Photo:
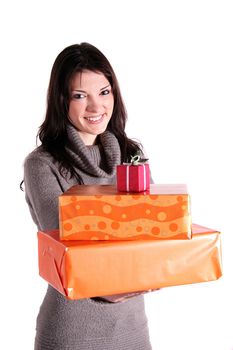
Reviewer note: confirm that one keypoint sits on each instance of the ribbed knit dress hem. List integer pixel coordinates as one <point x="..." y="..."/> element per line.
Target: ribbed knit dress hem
<point x="130" y="341"/>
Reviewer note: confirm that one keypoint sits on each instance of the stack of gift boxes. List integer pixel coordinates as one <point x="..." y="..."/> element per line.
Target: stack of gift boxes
<point x="131" y="237"/>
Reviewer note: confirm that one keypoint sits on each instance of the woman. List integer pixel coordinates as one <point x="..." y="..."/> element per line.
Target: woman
<point x="82" y="141"/>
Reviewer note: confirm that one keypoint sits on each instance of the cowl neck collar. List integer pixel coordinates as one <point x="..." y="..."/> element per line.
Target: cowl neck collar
<point x="99" y="160"/>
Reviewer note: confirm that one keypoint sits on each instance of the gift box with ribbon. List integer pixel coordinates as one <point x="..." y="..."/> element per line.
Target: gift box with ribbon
<point x="93" y="268"/>
<point x="101" y="212"/>
<point x="133" y="176"/>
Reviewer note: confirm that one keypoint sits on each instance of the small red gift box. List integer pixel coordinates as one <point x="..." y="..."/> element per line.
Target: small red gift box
<point x="133" y="178"/>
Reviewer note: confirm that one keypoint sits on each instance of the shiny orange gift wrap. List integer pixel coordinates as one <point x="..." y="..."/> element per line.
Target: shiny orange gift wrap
<point x="83" y="269"/>
<point x="103" y="213"/>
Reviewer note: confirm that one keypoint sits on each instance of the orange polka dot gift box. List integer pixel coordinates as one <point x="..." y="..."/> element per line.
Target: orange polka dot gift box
<point x="84" y="269"/>
<point x="101" y="212"/>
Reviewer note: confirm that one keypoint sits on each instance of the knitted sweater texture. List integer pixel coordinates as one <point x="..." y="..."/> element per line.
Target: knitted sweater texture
<point x="84" y="324"/>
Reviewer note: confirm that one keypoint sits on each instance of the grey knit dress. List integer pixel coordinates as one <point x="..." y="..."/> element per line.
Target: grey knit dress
<point x="85" y="324"/>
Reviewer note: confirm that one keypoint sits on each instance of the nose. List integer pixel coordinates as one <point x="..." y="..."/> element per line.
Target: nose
<point x="94" y="105"/>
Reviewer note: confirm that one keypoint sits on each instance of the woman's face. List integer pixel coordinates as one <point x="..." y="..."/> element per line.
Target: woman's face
<point x="91" y="104"/>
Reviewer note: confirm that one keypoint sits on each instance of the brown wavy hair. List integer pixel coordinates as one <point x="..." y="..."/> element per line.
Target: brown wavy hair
<point x="52" y="133"/>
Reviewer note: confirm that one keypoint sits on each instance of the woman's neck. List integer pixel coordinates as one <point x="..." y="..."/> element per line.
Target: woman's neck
<point x="88" y="139"/>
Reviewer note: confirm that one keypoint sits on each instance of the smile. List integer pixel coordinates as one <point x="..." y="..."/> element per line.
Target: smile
<point x="96" y="119"/>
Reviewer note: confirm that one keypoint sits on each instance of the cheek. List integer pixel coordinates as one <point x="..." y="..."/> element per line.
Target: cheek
<point x="111" y="104"/>
<point x="74" y="109"/>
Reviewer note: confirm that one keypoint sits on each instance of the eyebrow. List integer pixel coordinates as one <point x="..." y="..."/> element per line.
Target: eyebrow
<point x="105" y="87"/>
<point x="85" y="91"/>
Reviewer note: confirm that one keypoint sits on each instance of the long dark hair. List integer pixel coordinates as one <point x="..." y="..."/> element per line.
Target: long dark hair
<point x="52" y="133"/>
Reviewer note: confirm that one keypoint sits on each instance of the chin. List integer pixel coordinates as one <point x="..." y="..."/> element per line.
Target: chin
<point x="100" y="131"/>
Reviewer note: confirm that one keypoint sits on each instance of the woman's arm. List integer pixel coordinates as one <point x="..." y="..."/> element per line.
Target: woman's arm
<point x="42" y="189"/>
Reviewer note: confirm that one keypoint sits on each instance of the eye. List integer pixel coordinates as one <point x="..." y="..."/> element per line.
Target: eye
<point x="78" y="96"/>
<point x="105" y="92"/>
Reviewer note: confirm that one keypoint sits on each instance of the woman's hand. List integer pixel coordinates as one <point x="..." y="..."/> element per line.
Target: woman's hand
<point x="117" y="298"/>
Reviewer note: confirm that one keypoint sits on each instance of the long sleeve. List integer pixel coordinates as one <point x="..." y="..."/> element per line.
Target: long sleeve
<point x="42" y="190"/>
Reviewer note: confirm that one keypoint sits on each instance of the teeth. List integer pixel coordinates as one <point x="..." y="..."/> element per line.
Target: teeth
<point x="94" y="118"/>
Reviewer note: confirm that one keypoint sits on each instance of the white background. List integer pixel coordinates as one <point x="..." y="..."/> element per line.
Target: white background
<point x="174" y="62"/>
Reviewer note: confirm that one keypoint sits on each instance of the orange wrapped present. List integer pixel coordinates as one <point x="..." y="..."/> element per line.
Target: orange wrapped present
<point x="100" y="212"/>
<point x="80" y="269"/>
